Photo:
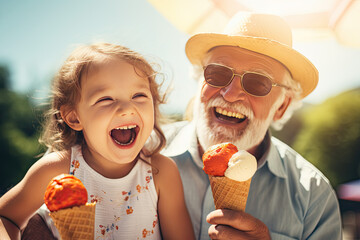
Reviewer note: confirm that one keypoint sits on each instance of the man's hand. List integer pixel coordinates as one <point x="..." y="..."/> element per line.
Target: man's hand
<point x="230" y="224"/>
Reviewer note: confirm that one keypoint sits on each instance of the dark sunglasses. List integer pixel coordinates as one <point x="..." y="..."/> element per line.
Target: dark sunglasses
<point x="255" y="84"/>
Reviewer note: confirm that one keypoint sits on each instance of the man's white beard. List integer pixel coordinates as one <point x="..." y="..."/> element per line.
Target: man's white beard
<point x="210" y="133"/>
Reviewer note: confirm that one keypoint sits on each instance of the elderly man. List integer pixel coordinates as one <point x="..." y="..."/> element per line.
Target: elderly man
<point x="251" y="78"/>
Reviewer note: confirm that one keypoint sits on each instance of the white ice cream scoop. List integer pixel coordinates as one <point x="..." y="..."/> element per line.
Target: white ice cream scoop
<point x="241" y="167"/>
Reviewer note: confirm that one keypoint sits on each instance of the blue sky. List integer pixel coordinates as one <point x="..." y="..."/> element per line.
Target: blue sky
<point x="37" y="36"/>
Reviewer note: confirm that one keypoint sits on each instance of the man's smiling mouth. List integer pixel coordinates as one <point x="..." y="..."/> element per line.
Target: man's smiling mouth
<point x="224" y="115"/>
<point x="125" y="135"/>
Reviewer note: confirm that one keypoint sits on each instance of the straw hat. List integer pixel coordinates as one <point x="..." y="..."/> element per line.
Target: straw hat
<point x="262" y="33"/>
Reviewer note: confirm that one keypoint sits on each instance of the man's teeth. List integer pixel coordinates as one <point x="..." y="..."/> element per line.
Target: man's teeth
<point x="126" y="127"/>
<point x="228" y="113"/>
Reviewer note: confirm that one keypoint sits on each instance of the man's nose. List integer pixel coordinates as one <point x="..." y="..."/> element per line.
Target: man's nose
<point x="234" y="91"/>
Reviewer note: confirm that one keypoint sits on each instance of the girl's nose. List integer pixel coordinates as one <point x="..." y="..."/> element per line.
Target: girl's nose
<point x="125" y="109"/>
<point x="234" y="91"/>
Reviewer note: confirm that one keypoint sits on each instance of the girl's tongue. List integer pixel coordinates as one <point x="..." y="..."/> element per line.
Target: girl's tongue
<point x="123" y="136"/>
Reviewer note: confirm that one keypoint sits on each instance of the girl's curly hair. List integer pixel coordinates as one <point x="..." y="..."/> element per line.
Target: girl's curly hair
<point x="66" y="88"/>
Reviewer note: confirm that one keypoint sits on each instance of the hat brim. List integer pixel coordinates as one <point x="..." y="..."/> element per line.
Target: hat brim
<point x="301" y="69"/>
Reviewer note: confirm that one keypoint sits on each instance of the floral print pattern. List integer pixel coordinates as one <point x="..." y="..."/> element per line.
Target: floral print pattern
<point x="123" y="208"/>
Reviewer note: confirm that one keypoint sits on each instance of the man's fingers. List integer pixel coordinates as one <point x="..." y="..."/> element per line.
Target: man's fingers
<point x="230" y="224"/>
<point x="219" y="232"/>
<point x="236" y="219"/>
<point x="214" y="232"/>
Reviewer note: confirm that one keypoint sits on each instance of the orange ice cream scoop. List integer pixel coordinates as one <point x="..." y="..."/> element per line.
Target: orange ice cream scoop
<point x="65" y="191"/>
<point x="216" y="158"/>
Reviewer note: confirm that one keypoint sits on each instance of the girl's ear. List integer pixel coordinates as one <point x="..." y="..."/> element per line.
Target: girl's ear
<point x="282" y="109"/>
<point x="71" y="118"/>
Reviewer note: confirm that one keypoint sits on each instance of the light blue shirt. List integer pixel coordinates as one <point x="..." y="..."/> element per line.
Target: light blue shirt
<point x="287" y="193"/>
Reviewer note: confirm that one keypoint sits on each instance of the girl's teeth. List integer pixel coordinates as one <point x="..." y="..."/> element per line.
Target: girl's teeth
<point x="126" y="127"/>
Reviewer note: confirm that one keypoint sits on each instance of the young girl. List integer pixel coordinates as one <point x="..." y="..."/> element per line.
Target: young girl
<point x="104" y="108"/>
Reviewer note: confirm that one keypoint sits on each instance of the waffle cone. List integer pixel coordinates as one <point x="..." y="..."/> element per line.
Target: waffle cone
<point x="229" y="193"/>
<point x="75" y="222"/>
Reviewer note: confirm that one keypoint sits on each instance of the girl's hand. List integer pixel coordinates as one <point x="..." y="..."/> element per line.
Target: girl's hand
<point x="231" y="224"/>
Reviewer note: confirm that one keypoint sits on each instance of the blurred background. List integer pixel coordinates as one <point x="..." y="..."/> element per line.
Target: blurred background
<point x="36" y="37"/>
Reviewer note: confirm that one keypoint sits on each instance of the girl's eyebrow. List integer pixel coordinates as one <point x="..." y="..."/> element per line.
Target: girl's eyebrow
<point x="96" y="91"/>
<point x="143" y="85"/>
<point x="99" y="90"/>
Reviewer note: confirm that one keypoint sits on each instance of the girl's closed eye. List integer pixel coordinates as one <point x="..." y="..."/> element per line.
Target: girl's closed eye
<point x="140" y="95"/>
<point x="103" y="100"/>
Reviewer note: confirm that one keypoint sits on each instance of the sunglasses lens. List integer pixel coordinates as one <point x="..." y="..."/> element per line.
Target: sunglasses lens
<point x="218" y="76"/>
<point x="256" y="84"/>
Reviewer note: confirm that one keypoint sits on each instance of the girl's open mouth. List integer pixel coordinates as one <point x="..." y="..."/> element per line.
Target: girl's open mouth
<point x="125" y="135"/>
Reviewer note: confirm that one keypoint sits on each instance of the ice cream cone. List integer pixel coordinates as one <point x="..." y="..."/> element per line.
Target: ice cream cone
<point x="229" y="193"/>
<point x="75" y="222"/>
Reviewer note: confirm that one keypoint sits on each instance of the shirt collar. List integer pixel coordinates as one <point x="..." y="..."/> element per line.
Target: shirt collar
<point x="272" y="156"/>
<point x="185" y="141"/>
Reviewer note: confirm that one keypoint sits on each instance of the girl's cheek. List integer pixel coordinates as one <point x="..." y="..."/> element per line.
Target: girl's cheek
<point x="207" y="92"/>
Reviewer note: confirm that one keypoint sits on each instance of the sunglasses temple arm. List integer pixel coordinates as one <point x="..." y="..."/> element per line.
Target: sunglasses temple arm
<point x="280" y="85"/>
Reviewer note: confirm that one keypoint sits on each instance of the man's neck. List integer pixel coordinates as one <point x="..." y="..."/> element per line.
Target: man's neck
<point x="258" y="150"/>
<point x="200" y="149"/>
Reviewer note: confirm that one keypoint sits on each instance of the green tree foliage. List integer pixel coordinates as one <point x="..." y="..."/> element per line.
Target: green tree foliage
<point x="330" y="137"/>
<point x="19" y="133"/>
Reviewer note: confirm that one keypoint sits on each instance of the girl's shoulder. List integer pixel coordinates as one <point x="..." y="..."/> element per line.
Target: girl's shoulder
<point x="48" y="166"/>
<point x="56" y="161"/>
<point x="161" y="162"/>
<point x="165" y="171"/>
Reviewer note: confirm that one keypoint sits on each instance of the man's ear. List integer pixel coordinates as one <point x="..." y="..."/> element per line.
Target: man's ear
<point x="282" y="109"/>
<point x="71" y="118"/>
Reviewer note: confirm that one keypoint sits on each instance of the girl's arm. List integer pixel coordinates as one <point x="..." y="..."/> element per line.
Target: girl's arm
<point x="8" y="230"/>
<point x="21" y="202"/>
<point x="174" y="218"/>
